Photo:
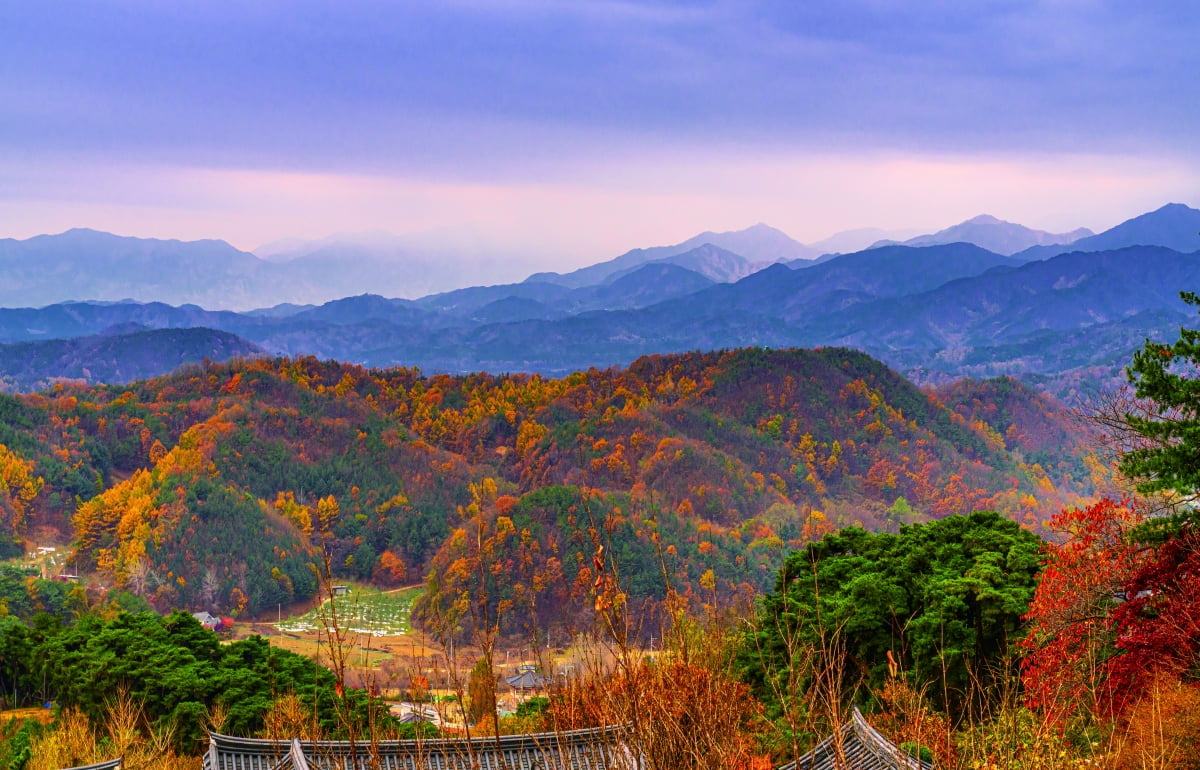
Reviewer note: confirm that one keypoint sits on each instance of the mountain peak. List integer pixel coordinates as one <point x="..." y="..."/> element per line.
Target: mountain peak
<point x="1174" y="226"/>
<point x="757" y="243"/>
<point x="995" y="235"/>
<point x="739" y="252"/>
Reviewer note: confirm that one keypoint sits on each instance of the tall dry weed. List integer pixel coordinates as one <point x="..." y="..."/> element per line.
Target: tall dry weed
<point x="1162" y="731"/>
<point x="125" y="733"/>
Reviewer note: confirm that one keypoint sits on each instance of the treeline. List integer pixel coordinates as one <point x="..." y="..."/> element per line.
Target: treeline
<point x="181" y="676"/>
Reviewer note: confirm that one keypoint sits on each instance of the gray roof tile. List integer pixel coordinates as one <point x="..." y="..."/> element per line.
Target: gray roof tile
<point x="860" y="747"/>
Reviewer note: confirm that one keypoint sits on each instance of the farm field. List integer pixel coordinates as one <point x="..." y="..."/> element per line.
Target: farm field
<point x="362" y="610"/>
<point x="47" y="561"/>
<point x="381" y="648"/>
<point x="384" y="653"/>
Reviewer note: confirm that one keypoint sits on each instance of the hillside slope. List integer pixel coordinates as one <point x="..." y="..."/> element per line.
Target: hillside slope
<point x="698" y="462"/>
<point x="1174" y="226"/>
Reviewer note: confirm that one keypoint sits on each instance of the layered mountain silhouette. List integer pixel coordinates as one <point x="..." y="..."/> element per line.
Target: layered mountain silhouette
<point x="84" y="264"/>
<point x="406" y="266"/>
<point x="934" y="312"/>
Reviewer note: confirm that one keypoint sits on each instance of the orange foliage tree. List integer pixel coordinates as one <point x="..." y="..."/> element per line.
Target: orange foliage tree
<point x="681" y="715"/>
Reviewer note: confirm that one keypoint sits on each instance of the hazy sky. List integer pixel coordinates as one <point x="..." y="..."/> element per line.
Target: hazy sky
<point x="572" y="131"/>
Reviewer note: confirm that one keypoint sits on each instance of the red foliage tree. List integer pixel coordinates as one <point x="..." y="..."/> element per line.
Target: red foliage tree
<point x="1158" y="628"/>
<point x="1070" y="617"/>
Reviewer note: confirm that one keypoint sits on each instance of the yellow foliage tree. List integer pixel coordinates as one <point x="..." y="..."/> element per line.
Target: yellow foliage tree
<point x="18" y="487"/>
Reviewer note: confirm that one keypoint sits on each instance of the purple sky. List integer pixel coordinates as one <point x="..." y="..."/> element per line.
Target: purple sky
<point x="571" y="131"/>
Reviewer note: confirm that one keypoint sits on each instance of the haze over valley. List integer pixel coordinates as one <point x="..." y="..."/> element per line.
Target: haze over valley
<point x="935" y="307"/>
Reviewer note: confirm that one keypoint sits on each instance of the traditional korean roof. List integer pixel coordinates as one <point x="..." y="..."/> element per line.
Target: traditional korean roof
<point x="526" y="680"/>
<point x="862" y="747"/>
<point x="592" y="749"/>
<point x="412" y="717"/>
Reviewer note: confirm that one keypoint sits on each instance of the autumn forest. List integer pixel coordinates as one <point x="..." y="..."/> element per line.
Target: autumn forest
<point x="722" y="461"/>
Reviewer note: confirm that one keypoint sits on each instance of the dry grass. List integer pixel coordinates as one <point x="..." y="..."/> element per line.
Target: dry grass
<point x="126" y="733"/>
<point x="45" y="716"/>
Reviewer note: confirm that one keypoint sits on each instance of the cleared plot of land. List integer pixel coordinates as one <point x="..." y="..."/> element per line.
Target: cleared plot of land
<point x="364" y="610"/>
<point x="380" y="648"/>
<point x="46" y="561"/>
<point x="382" y="652"/>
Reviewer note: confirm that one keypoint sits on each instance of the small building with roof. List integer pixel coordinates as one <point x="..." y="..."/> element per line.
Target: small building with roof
<point x="207" y="620"/>
<point x="527" y="679"/>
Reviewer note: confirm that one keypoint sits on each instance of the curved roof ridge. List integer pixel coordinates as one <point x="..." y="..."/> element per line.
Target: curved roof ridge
<point x="857" y="746"/>
<point x="110" y="764"/>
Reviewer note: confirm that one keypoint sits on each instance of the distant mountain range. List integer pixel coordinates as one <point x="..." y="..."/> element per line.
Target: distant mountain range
<point x="88" y="265"/>
<point x="933" y="311"/>
<point x="416" y="265"/>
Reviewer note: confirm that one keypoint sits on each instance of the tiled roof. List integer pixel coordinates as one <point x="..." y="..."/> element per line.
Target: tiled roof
<point x="112" y="764"/>
<point x="526" y="680"/>
<point x="857" y="746"/>
<point x="862" y="747"/>
<point x="593" y="749"/>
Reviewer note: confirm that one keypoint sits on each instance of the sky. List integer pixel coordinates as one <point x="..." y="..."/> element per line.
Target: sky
<point x="557" y="133"/>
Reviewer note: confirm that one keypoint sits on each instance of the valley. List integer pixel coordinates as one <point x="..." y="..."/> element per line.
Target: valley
<point x="610" y="478"/>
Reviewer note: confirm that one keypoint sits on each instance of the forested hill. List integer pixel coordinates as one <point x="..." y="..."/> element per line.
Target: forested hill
<point x="212" y="487"/>
<point x="121" y="355"/>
